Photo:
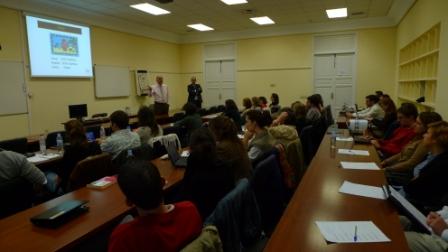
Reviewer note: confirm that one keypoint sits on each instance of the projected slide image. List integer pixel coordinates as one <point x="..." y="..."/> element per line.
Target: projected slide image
<point x="64" y="45"/>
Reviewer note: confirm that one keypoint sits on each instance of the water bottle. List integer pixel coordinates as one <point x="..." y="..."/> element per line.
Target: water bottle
<point x="102" y="133"/>
<point x="59" y="142"/>
<point x="42" y="144"/>
<point x="333" y="140"/>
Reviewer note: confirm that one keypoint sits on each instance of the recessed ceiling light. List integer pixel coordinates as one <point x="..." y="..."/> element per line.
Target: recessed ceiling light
<point x="262" y="20"/>
<point x="151" y="9"/>
<point x="232" y="2"/>
<point x="200" y="27"/>
<point x="337" y="13"/>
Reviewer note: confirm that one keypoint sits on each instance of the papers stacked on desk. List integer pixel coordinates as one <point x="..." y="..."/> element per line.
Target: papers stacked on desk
<point x="42" y="157"/>
<point x="351" y="231"/>
<point x="362" y="190"/>
<point x="353" y="152"/>
<point x="359" y="165"/>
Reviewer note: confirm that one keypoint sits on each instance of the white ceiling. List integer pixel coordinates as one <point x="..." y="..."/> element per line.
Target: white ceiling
<point x="230" y="22"/>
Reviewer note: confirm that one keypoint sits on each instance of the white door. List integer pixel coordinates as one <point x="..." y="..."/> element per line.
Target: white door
<point x="219" y="82"/>
<point x="333" y="79"/>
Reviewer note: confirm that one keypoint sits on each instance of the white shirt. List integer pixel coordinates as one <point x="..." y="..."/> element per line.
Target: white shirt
<point x="160" y="93"/>
<point x="444" y="214"/>
<point x="374" y="112"/>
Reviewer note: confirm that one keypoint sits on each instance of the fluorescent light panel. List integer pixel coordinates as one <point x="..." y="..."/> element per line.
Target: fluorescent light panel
<point x="337" y="13"/>
<point x="262" y="20"/>
<point x="200" y="27"/>
<point x="233" y="2"/>
<point x="151" y="9"/>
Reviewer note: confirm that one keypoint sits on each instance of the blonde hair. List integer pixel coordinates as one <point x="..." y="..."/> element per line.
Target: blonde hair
<point x="440" y="133"/>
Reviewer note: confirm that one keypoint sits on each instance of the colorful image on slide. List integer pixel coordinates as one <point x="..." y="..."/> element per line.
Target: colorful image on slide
<point x="64" y="45"/>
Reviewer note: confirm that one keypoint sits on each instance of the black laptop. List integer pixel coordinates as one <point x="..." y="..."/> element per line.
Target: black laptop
<point x="175" y="157"/>
<point x="60" y="214"/>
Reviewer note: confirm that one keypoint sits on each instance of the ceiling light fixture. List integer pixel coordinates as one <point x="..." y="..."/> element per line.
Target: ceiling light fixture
<point x="149" y="8"/>
<point x="233" y="2"/>
<point x="200" y="27"/>
<point x="262" y="20"/>
<point x="337" y="13"/>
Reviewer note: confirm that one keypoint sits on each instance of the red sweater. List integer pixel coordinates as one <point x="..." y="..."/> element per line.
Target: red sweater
<point x="398" y="140"/>
<point x="159" y="232"/>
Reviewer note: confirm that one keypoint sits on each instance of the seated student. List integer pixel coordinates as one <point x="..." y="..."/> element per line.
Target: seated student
<point x="299" y="110"/>
<point x="420" y="242"/>
<point x="398" y="168"/>
<point x="257" y="139"/>
<point x="373" y="110"/>
<point x="429" y="187"/>
<point x="407" y="114"/>
<point x="121" y="138"/>
<point x="313" y="105"/>
<point x="229" y="147"/>
<point x="247" y="104"/>
<point x="263" y="103"/>
<point x="275" y="103"/>
<point x="390" y="116"/>
<point x="192" y="119"/>
<point x="77" y="150"/>
<point x="256" y="103"/>
<point x="15" y="165"/>
<point x="207" y="178"/>
<point x="148" y="127"/>
<point x="158" y="227"/>
<point x="233" y="113"/>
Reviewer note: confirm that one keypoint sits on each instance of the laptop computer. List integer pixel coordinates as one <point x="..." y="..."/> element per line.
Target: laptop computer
<point x="175" y="157"/>
<point x="417" y="218"/>
<point x="90" y="136"/>
<point x="60" y="214"/>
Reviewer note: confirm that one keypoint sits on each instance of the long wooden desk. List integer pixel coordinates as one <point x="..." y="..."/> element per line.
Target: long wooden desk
<point x="317" y="199"/>
<point x="106" y="207"/>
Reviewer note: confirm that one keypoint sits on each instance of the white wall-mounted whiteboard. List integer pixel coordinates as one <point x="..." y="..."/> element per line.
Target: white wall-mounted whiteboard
<point x="112" y="81"/>
<point x="12" y="88"/>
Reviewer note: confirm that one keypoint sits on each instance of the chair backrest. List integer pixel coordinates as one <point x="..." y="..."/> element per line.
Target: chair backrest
<point x="178" y="116"/>
<point x="143" y="152"/>
<point x="17" y="195"/>
<point x="212" y="110"/>
<point x="221" y="108"/>
<point x="18" y="145"/>
<point x="310" y="138"/>
<point x="269" y="191"/>
<point x="328" y="115"/>
<point x="237" y="218"/>
<point x="90" y="169"/>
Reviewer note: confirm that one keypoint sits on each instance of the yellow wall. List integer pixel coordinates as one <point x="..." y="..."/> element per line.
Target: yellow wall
<point x="50" y="96"/>
<point x="423" y="15"/>
<point x="283" y="65"/>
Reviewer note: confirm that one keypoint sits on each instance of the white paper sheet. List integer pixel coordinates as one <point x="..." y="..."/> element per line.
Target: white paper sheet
<point x="344" y="139"/>
<point x="362" y="190"/>
<point x="354" y="152"/>
<point x="344" y="231"/>
<point x="40" y="157"/>
<point x="359" y="165"/>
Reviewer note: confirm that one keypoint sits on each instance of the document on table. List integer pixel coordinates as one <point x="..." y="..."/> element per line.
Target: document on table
<point x="362" y="190"/>
<point x="353" y="152"/>
<point x="351" y="231"/>
<point x="41" y="157"/>
<point x="359" y="165"/>
<point x="344" y="139"/>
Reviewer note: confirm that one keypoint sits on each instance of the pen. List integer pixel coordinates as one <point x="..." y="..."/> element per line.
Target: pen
<point x="355" y="238"/>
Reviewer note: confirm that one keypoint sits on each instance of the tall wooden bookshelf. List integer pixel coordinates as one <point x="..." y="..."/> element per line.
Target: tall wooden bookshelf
<point x="418" y="64"/>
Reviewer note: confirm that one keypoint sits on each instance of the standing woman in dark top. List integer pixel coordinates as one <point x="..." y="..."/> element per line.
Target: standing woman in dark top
<point x="77" y="150"/>
<point x="275" y="103"/>
<point x="207" y="180"/>
<point x="233" y="113"/>
<point x="195" y="93"/>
